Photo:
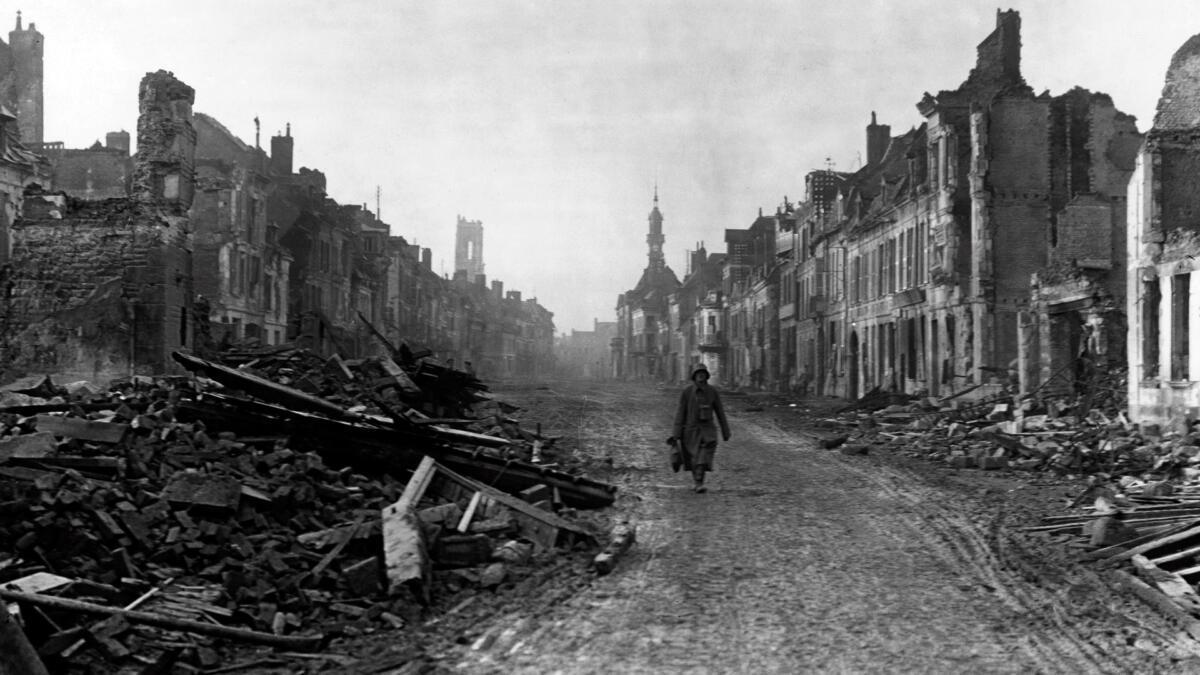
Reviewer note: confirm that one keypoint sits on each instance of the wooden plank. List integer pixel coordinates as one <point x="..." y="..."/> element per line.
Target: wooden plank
<point x="84" y="430"/>
<point x="1157" y="542"/>
<point x="404" y="548"/>
<point x="534" y="522"/>
<point x="300" y="642"/>
<point x="1162" y="603"/>
<point x="469" y="514"/>
<point x="1176" y="556"/>
<point x="17" y="655"/>
<point x="1168" y="582"/>
<point x="1155" y="533"/>
<point x="337" y="550"/>
<point x="259" y="386"/>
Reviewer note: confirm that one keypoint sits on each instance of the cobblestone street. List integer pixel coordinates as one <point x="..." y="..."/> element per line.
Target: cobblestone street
<point x="805" y="560"/>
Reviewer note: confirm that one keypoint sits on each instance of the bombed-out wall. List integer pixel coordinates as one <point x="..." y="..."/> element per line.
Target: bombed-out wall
<point x="102" y="289"/>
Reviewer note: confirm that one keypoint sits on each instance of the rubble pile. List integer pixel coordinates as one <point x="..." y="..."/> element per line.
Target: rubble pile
<point x="260" y="512"/>
<point x="1138" y="513"/>
<point x="989" y="427"/>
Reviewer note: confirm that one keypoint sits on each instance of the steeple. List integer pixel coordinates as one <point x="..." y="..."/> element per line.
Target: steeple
<point x="655" y="238"/>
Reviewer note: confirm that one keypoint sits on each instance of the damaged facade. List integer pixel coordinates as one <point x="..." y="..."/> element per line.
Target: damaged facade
<point x="102" y="289"/>
<point x="981" y="246"/>
<point x="1164" y="195"/>
<point x="241" y="271"/>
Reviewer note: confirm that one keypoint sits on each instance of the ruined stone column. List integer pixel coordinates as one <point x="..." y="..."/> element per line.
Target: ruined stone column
<point x="164" y="166"/>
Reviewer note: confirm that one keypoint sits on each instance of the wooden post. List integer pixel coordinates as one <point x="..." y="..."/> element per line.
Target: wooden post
<point x="17" y="656"/>
<point x="404" y="548"/>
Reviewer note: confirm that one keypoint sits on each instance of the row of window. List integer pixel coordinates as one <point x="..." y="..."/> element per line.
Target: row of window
<point x="894" y="265"/>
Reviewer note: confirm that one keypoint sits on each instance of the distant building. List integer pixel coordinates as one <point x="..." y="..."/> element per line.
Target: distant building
<point x="640" y="349"/>
<point x="585" y="354"/>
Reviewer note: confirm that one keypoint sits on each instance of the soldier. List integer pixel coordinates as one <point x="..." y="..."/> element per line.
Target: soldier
<point x="696" y="421"/>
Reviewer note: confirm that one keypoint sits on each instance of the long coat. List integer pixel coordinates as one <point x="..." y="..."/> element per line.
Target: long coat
<point x="696" y="421"/>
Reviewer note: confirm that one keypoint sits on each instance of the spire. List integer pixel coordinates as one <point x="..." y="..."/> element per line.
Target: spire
<point x="655" y="237"/>
<point x="18" y="19"/>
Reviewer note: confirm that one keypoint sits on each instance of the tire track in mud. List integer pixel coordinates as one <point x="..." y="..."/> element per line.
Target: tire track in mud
<point x="959" y="540"/>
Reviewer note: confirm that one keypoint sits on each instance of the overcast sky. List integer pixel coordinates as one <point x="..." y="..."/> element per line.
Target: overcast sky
<point x="552" y="121"/>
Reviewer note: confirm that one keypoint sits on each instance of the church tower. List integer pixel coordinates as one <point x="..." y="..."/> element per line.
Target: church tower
<point x="655" y="237"/>
<point x="27" y="50"/>
<point x="468" y="248"/>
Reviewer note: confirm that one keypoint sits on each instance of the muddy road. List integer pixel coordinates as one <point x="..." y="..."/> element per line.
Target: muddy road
<point x="800" y="559"/>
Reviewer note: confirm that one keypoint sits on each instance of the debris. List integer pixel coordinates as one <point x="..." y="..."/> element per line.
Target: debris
<point x="298" y="642"/>
<point x="404" y="545"/>
<point x="623" y="537"/>
<point x="16" y="654"/>
<point x="278" y="511"/>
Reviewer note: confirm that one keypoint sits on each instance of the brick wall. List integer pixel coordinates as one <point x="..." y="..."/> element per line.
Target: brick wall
<point x="1179" y="106"/>
<point x="106" y="285"/>
<point x="1085" y="234"/>
<point x="1180" y="180"/>
<point x="1019" y="164"/>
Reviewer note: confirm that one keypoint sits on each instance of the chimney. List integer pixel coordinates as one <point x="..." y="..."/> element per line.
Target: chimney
<point x="878" y="138"/>
<point x="281" y="153"/>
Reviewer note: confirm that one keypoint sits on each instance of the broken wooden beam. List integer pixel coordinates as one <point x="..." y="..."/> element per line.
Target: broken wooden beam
<point x="404" y="548"/>
<point x="378" y="444"/>
<point x="17" y="655"/>
<point x="297" y="642"/>
<point x="259" y="386"/>
<point x="1156" y="599"/>
<point x="541" y="527"/>
<point x="469" y="513"/>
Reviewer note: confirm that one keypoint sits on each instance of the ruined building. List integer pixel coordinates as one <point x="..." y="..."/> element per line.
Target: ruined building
<point x="750" y="286"/>
<point x="923" y="258"/>
<point x="97" y="290"/>
<point x="1163" y="243"/>
<point x="241" y="272"/>
<point x="639" y="350"/>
